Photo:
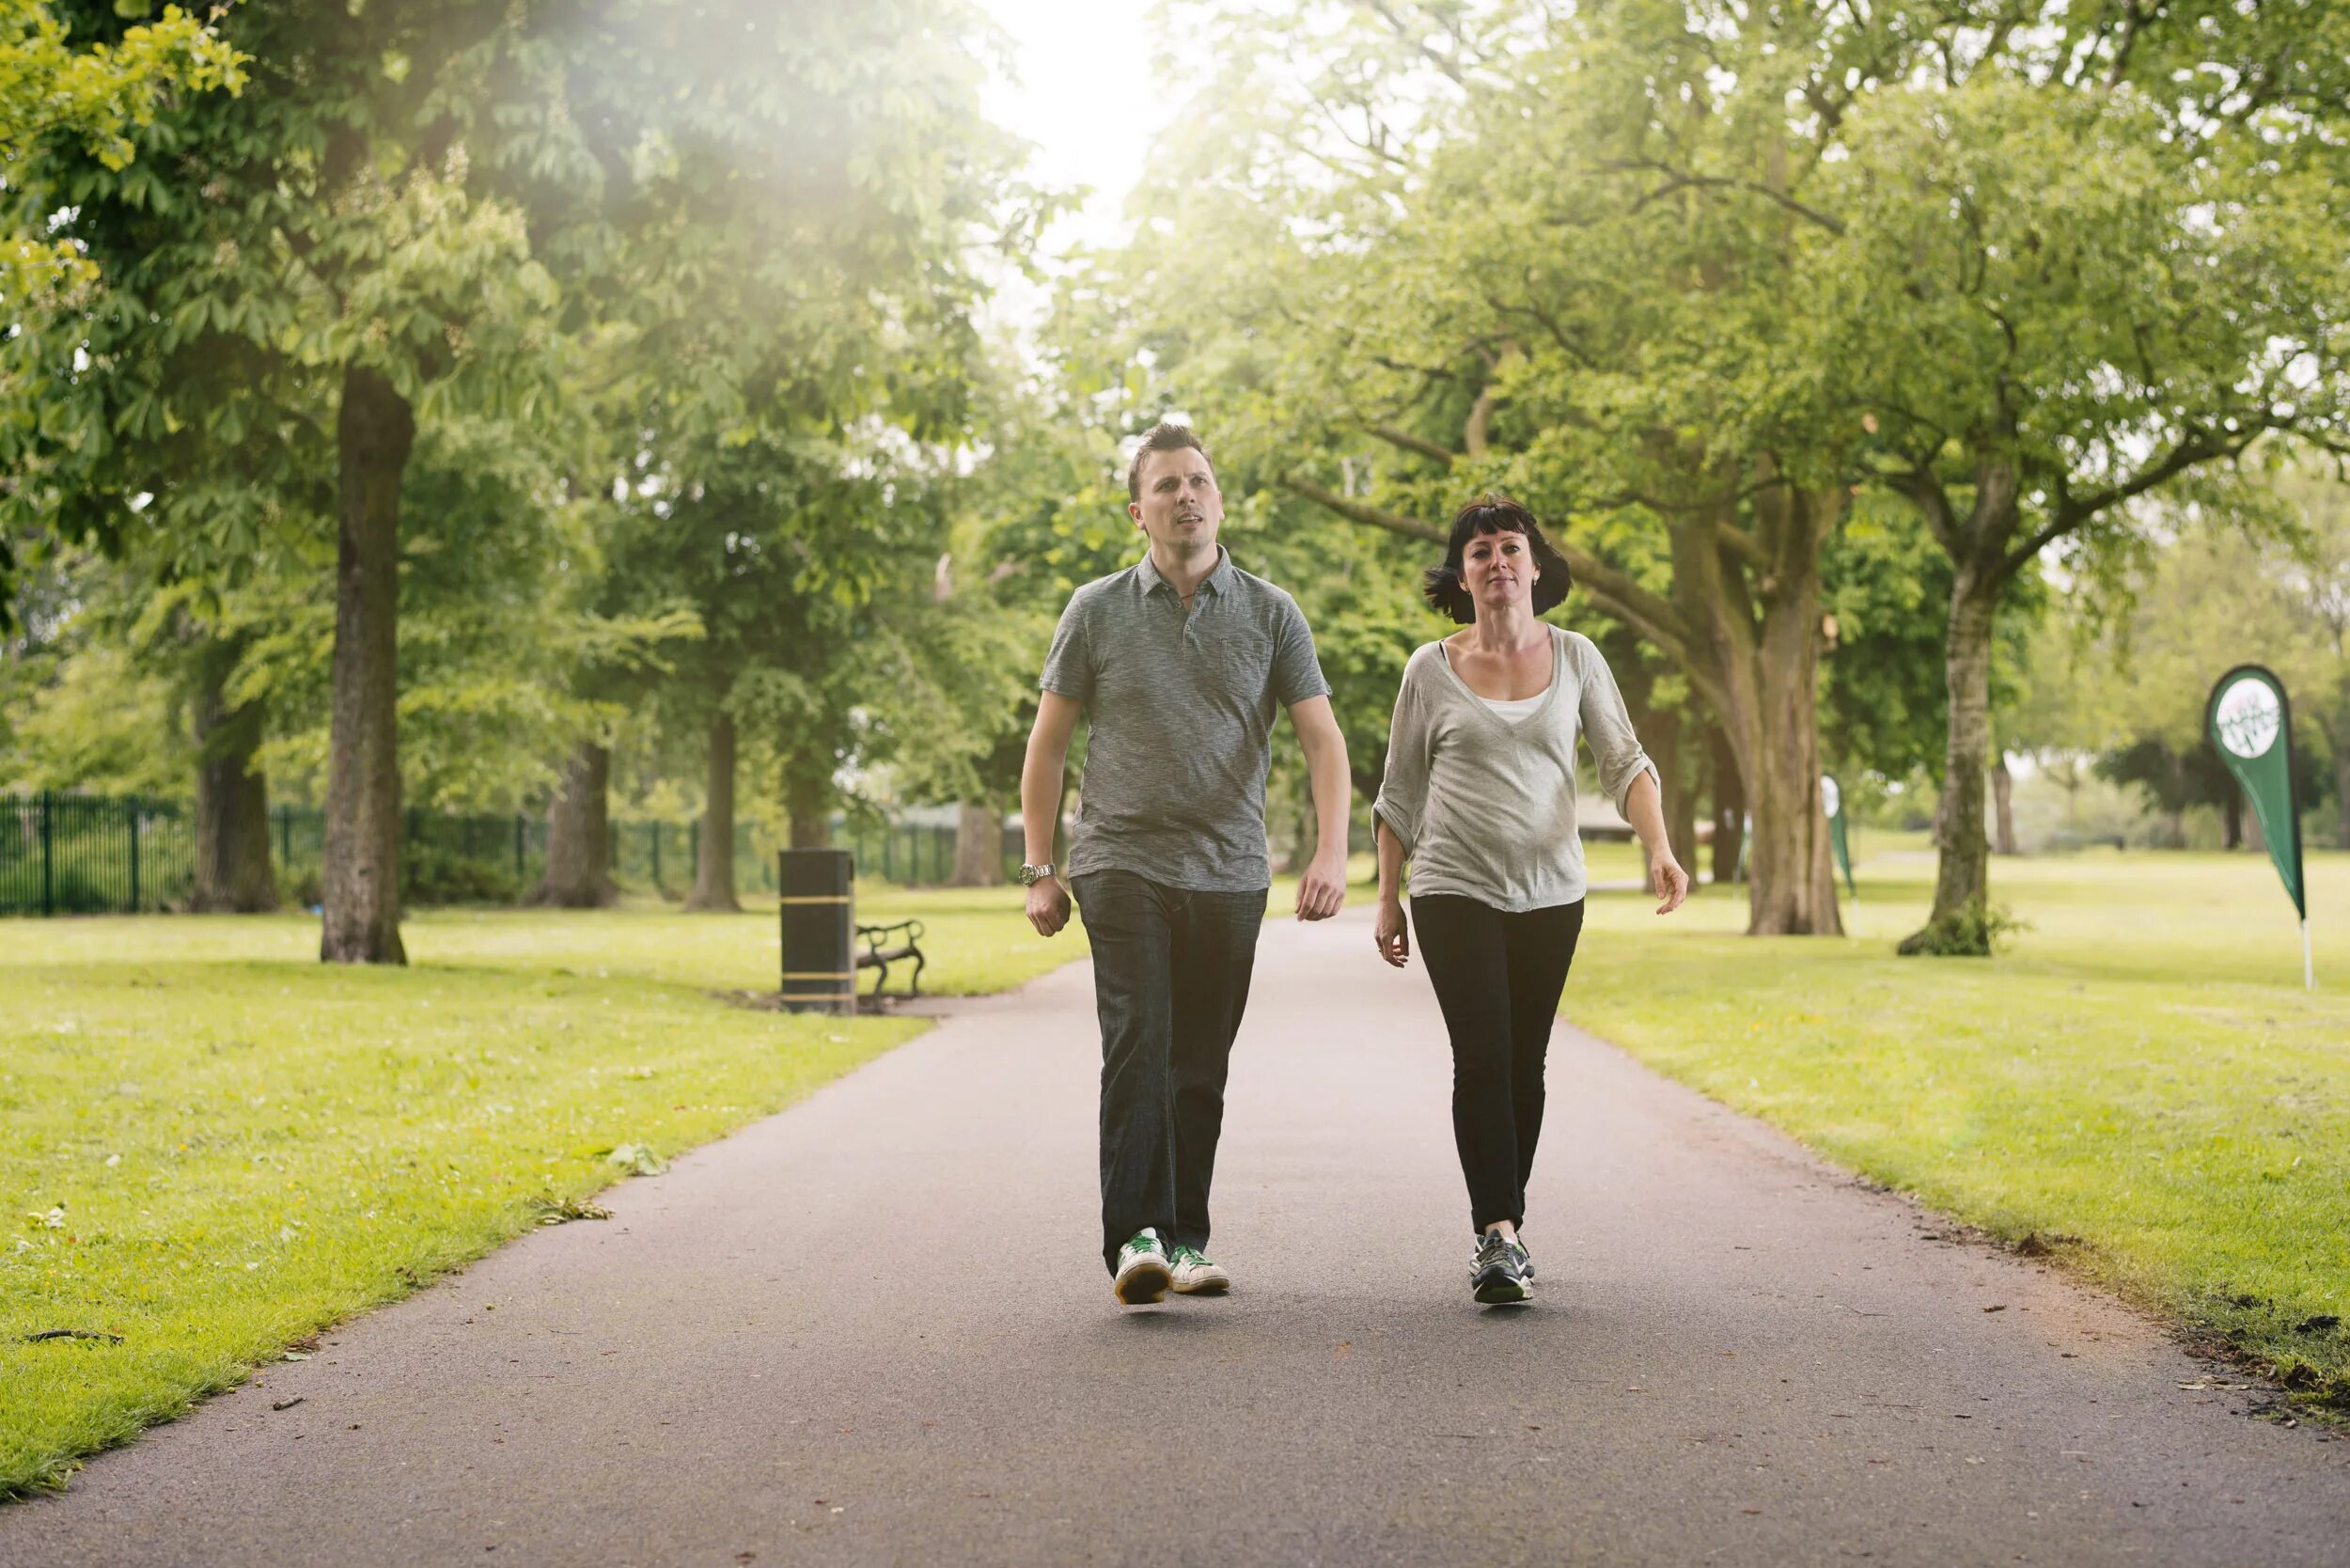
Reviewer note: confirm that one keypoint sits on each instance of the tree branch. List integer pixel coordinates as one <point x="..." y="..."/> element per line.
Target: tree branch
<point x="1671" y="644"/>
<point x="1656" y="614"/>
<point x="1411" y="442"/>
<point x="1364" y="512"/>
<point x="2071" y="512"/>
<point x="1742" y="544"/>
<point x="1923" y="490"/>
<point x="1452" y="70"/>
<point x="1679" y="180"/>
<point x="1480" y="420"/>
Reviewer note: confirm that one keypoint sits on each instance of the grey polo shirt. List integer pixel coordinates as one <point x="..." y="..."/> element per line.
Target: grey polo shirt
<point x="1182" y="709"/>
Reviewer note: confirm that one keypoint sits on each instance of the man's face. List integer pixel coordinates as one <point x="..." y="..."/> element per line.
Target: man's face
<point x="1181" y="507"/>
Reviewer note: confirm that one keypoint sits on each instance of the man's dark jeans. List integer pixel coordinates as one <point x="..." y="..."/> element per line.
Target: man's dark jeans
<point x="1170" y="979"/>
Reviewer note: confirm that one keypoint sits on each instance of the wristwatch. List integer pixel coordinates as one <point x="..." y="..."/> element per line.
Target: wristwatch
<point x="1031" y="875"/>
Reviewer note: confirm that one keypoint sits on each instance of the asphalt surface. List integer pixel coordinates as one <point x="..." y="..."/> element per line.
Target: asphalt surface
<point x="875" y="1330"/>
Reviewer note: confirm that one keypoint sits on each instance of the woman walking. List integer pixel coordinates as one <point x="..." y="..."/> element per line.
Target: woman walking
<point x="1479" y="797"/>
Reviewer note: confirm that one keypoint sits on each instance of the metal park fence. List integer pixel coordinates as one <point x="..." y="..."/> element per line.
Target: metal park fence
<point x="64" y="853"/>
<point x="77" y="855"/>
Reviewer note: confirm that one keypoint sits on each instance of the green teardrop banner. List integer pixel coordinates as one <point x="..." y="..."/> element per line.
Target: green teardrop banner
<point x="2251" y="728"/>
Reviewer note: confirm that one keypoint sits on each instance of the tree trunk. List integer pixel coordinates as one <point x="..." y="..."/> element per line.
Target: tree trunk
<point x="374" y="430"/>
<point x="1681" y="827"/>
<point x="2255" y="838"/>
<point x="579" y="838"/>
<point x="1660" y="738"/>
<point x="1769" y="700"/>
<point x="233" y="872"/>
<point x="1790" y="889"/>
<point x="713" y="863"/>
<point x="808" y="800"/>
<point x="2003" y="804"/>
<point x="1730" y="810"/>
<point x="1962" y="885"/>
<point x="979" y="846"/>
<point x="2231" y="819"/>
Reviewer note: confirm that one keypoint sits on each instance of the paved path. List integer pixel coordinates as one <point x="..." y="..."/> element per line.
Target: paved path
<point x="874" y="1330"/>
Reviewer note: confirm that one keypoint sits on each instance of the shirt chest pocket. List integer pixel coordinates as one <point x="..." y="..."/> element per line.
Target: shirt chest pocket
<point x="1233" y="666"/>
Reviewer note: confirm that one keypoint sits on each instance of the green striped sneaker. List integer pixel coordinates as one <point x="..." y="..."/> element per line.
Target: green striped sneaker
<point x="1143" y="1274"/>
<point x="1195" y="1276"/>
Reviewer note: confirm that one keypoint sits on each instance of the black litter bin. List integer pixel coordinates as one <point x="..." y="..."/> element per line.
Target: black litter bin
<point x="819" y="969"/>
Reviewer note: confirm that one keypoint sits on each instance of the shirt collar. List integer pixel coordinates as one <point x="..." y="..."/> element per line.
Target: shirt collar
<point x="1219" y="576"/>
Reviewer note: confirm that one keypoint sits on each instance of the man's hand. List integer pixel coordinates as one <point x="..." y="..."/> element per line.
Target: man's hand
<point x="1393" y="936"/>
<point x="1671" y="882"/>
<point x="1048" y="907"/>
<point x="1324" y="888"/>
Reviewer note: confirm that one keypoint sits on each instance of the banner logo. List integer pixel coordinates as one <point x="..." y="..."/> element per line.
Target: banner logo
<point x="2248" y="716"/>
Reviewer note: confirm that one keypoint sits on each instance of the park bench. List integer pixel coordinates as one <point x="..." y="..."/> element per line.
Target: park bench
<point x="885" y="946"/>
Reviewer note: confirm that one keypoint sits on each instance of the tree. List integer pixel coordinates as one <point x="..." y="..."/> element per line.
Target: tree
<point x="98" y="97"/>
<point x="2209" y="595"/>
<point x="2315" y="580"/>
<point x="1566" y="254"/>
<point x="318" y="241"/>
<point x="2132" y="291"/>
<point x="789" y="296"/>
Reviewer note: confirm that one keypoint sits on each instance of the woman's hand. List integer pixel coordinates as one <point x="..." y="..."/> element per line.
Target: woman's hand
<point x="1671" y="882"/>
<point x="1392" y="934"/>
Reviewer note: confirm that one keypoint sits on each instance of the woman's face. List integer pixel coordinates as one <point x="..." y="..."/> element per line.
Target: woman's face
<point x="1499" y="569"/>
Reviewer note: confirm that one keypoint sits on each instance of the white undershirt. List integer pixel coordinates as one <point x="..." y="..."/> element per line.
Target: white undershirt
<point x="1512" y="710"/>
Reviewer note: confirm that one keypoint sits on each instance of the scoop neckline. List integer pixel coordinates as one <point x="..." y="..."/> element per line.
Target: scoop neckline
<point x="1557" y="641"/>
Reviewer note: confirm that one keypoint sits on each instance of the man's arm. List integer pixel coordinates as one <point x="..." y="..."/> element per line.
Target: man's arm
<point x="1040" y="805"/>
<point x="1323" y="889"/>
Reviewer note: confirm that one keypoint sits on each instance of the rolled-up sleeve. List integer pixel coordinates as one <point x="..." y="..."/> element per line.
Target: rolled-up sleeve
<point x="1608" y="728"/>
<point x="1404" y="790"/>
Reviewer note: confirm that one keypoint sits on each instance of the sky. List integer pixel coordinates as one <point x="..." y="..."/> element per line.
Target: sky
<point x="1084" y="98"/>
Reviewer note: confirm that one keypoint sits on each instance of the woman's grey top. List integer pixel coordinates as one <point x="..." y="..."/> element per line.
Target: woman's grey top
<point x="1485" y="807"/>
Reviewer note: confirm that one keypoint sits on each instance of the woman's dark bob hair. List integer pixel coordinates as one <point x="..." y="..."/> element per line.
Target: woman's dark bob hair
<point x="1495" y="514"/>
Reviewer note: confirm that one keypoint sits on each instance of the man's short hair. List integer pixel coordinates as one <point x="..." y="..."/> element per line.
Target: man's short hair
<point x="1163" y="437"/>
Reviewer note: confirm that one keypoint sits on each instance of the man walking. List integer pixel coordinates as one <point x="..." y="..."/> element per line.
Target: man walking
<point x="1178" y="664"/>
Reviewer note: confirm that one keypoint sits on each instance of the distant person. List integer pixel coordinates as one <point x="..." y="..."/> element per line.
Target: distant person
<point x="1180" y="665"/>
<point x="1479" y="797"/>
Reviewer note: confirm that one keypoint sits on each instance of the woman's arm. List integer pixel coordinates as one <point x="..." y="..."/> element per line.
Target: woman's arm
<point x="1644" y="807"/>
<point x="1391" y="934"/>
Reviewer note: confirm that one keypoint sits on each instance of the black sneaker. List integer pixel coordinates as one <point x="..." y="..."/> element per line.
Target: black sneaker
<point x="1526" y="1262"/>
<point x="1496" y="1278"/>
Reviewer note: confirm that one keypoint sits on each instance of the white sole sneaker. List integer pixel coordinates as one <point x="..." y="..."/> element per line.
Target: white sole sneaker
<point x="1201" y="1279"/>
<point x="1143" y="1280"/>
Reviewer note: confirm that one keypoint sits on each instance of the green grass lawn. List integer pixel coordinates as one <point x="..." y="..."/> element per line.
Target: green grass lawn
<point x="217" y="1146"/>
<point x="2138" y="1079"/>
